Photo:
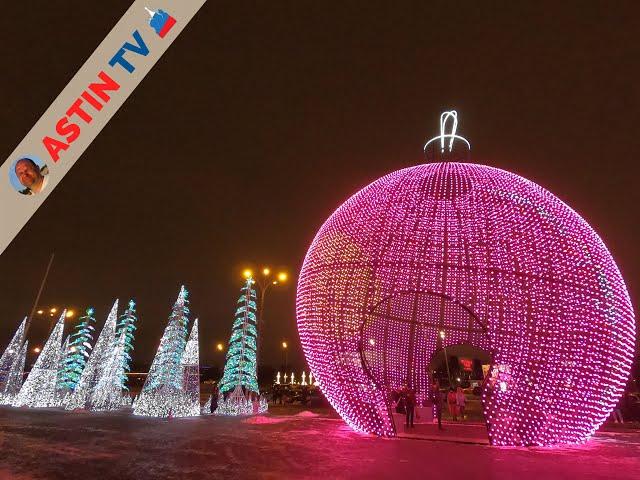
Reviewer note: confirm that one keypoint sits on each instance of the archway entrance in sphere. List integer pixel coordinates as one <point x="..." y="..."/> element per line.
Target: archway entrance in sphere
<point x="466" y="369"/>
<point x="400" y="340"/>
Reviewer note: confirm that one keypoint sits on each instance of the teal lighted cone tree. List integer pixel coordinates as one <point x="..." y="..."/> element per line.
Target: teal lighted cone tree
<point x="240" y="367"/>
<point x="162" y="392"/>
<point x="93" y="371"/>
<point x="80" y="345"/>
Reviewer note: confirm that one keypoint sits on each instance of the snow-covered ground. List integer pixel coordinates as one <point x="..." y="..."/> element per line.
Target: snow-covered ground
<point x="55" y="444"/>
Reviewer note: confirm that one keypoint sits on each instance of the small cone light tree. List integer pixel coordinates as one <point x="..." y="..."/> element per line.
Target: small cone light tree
<point x="61" y="390"/>
<point x="40" y="387"/>
<point x="102" y="351"/>
<point x="14" y="380"/>
<point x="79" y="351"/>
<point x="162" y="393"/>
<point x="239" y="376"/>
<point x="109" y="391"/>
<point x="10" y="356"/>
<point x="191" y="376"/>
<point x="125" y="329"/>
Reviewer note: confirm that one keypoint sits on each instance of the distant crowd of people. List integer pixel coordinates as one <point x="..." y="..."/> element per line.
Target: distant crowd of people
<point x="406" y="401"/>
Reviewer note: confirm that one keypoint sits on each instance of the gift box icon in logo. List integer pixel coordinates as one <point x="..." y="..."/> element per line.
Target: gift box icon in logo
<point x="161" y="21"/>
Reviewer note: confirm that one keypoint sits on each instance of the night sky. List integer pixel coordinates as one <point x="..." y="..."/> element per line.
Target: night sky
<point x="263" y="117"/>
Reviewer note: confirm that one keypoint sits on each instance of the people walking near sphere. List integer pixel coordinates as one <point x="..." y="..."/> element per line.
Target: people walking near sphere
<point x="437" y="400"/>
<point x="451" y="403"/>
<point x="460" y="402"/>
<point x="410" y="404"/>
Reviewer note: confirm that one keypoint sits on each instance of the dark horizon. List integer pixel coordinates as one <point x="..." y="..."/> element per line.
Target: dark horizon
<point x="260" y="120"/>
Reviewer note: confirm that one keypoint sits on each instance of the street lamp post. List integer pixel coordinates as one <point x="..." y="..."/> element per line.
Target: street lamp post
<point x="285" y="349"/>
<point x="264" y="282"/>
<point x="446" y="360"/>
<point x="37" y="300"/>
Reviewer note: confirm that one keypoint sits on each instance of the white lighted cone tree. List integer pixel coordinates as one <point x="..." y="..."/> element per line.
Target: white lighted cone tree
<point x="102" y="351"/>
<point x="10" y="356"/>
<point x="61" y="390"/>
<point x="39" y="389"/>
<point x="125" y="328"/>
<point x="14" y="379"/>
<point x="191" y="376"/>
<point x="108" y="393"/>
<point x="162" y="394"/>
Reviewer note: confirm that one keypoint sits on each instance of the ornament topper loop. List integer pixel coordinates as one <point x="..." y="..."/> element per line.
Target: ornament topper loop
<point x="444" y="135"/>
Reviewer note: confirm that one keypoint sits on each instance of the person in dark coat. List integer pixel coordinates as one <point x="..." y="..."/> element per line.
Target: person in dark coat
<point x="451" y="402"/>
<point x="409" y="405"/>
<point x="437" y="399"/>
<point x="214" y="399"/>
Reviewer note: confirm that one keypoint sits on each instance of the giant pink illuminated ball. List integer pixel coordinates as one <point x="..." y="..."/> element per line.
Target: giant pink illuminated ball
<point x="490" y="259"/>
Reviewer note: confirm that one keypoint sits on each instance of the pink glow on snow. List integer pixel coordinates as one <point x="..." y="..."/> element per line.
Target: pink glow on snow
<point x="495" y="261"/>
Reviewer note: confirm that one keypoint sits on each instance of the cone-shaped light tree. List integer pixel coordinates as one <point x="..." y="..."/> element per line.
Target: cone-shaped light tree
<point x="14" y="380"/>
<point x="162" y="392"/>
<point x="39" y="389"/>
<point x="191" y="375"/>
<point x="240" y="370"/>
<point x="102" y="351"/>
<point x="125" y="334"/>
<point x="108" y="393"/>
<point x="61" y="390"/>
<point x="79" y="351"/>
<point x="11" y="355"/>
<point x="240" y="367"/>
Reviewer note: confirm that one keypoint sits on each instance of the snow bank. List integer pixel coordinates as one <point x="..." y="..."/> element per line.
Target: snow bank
<point x="261" y="420"/>
<point x="307" y="413"/>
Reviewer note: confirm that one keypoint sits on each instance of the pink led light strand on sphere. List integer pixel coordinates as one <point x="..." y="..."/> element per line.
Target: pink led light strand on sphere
<point x="493" y="260"/>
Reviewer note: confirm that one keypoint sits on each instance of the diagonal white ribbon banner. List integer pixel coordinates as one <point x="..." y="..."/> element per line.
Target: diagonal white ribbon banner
<point x="84" y="107"/>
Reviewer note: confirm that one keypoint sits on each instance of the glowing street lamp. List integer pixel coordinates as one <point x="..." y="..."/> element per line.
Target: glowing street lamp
<point x="36" y="350"/>
<point x="70" y="314"/>
<point x="263" y="283"/>
<point x="220" y="347"/>
<point x="285" y="351"/>
<point x="40" y="312"/>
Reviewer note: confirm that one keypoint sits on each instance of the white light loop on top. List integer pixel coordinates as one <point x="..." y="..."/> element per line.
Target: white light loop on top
<point x="444" y="118"/>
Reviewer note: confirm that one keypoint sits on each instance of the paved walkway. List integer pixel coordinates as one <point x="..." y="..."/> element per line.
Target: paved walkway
<point x="452" y="432"/>
<point x="50" y="444"/>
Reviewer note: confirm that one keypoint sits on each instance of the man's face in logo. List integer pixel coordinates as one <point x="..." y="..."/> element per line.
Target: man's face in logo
<point x="28" y="174"/>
